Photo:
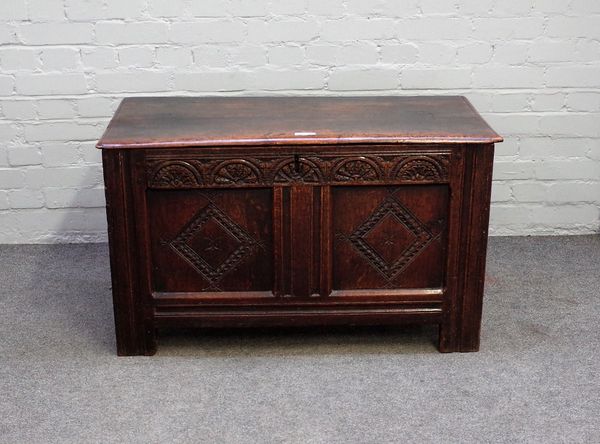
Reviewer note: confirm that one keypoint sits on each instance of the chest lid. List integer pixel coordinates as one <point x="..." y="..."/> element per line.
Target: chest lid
<point x="169" y="122"/>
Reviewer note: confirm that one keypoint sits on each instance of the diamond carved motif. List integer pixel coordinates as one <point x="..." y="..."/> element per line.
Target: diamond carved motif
<point x="390" y="238"/>
<point x="214" y="244"/>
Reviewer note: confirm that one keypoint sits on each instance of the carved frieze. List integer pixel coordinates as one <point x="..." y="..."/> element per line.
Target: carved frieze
<point x="322" y="169"/>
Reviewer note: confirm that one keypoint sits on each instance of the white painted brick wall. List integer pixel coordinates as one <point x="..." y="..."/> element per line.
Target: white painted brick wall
<point x="531" y="67"/>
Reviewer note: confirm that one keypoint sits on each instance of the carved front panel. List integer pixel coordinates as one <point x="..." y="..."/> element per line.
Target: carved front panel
<point x="389" y="236"/>
<point x="202" y="171"/>
<point x="211" y="240"/>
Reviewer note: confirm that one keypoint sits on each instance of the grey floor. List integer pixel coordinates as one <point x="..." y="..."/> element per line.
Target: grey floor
<point x="536" y="379"/>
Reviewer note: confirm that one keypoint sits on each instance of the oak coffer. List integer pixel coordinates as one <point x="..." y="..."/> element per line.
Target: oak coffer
<point x="288" y="211"/>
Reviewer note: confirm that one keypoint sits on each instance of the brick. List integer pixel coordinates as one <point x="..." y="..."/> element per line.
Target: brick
<point x="282" y="31"/>
<point x="72" y="177"/>
<point x="128" y="10"/>
<point x="74" y="198"/>
<point x="13" y="10"/>
<point x="62" y="131"/>
<point x="8" y="131"/>
<point x="565" y="216"/>
<point x="59" y="59"/>
<point x="207" y="31"/>
<point x="56" y="109"/>
<point x="286" y="55"/>
<point x="553" y="6"/>
<point x="438" y="6"/>
<point x="20" y="58"/>
<point x="569" y="169"/>
<point x="8" y="34"/>
<point x="132" y="81"/>
<point x="477" y="8"/>
<point x="59" y="154"/>
<point x="24" y="155"/>
<point x="586" y="51"/>
<point x="40" y="84"/>
<point x="18" y="109"/>
<point x="93" y="10"/>
<point x="548" y="102"/>
<point x="326" y="8"/>
<point x="119" y="33"/>
<point x="513" y="124"/>
<point x="571" y="124"/>
<point x="11" y="178"/>
<point x="99" y="58"/>
<point x="561" y="26"/>
<point x="357" y="53"/>
<point x="437" y="53"/>
<point x="90" y="154"/>
<point x="579" y="76"/>
<point x="174" y="56"/>
<point x="547" y="147"/>
<point x="211" y="81"/>
<point x="56" y="33"/>
<point x="436" y="78"/>
<point x="3" y="157"/>
<point x="248" y="55"/>
<point x="503" y="29"/>
<point x="481" y="100"/>
<point x="212" y="56"/>
<point x="84" y="10"/>
<point x="530" y="191"/>
<point x="350" y="29"/>
<point x="268" y="80"/>
<point x="46" y="10"/>
<point x="25" y="199"/>
<point x="551" y="50"/>
<point x="289" y="7"/>
<point x="45" y="226"/>
<point x="580" y="6"/>
<point x="421" y="29"/>
<point x="366" y="79"/>
<point x="95" y="107"/>
<point x="248" y="8"/>
<point x="584" y="101"/>
<point x="510" y="216"/>
<point x="474" y="53"/>
<point x="513" y="169"/>
<point x="510" y="102"/>
<point x="507" y="77"/>
<point x="399" y="53"/>
<point x="136" y="56"/>
<point x="209" y="8"/>
<point x="324" y="55"/>
<point x="4" y="205"/>
<point x="171" y="8"/>
<point x="501" y="192"/>
<point x="399" y="8"/>
<point x="510" y="53"/>
<point x="563" y="193"/>
<point x="510" y="147"/>
<point x="7" y="85"/>
<point x="518" y="8"/>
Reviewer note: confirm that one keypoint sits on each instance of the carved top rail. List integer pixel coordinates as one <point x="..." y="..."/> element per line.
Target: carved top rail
<point x="263" y="170"/>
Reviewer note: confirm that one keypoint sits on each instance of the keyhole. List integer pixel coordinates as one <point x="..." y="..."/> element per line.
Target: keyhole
<point x="296" y="163"/>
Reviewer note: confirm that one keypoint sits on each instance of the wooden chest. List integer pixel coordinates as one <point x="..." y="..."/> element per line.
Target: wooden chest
<point x="297" y="211"/>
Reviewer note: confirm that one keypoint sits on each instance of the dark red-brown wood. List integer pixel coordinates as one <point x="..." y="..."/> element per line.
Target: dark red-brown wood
<point x="153" y="122"/>
<point x="297" y="211"/>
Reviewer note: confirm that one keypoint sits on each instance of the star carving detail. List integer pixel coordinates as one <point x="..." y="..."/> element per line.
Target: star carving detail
<point x="390" y="238"/>
<point x="214" y="245"/>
